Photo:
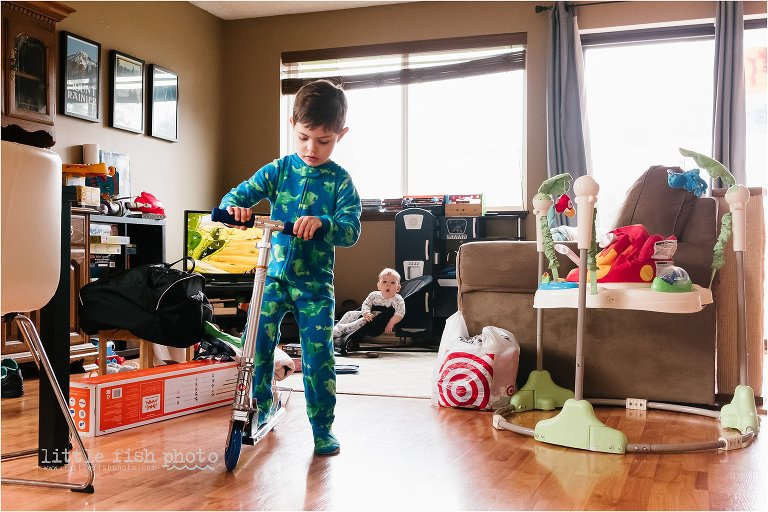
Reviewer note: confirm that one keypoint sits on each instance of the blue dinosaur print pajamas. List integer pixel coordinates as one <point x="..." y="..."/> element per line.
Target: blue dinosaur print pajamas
<point x="300" y="274"/>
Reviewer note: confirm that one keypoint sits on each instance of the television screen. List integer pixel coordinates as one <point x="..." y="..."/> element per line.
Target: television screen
<point x="221" y="253"/>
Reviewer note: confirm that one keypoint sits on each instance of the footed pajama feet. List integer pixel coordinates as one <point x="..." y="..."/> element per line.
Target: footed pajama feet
<point x="326" y="444"/>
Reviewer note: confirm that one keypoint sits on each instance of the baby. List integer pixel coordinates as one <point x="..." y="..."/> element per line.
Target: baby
<point x="385" y="296"/>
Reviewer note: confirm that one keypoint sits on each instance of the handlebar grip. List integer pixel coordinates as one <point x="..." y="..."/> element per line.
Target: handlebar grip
<point x="288" y="230"/>
<point x="223" y="216"/>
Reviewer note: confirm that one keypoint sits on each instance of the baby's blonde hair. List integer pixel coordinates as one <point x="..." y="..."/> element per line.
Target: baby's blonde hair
<point x="390" y="271"/>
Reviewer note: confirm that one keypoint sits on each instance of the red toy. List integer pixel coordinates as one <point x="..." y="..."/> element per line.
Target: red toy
<point x="146" y="203"/>
<point x="565" y="205"/>
<point x="631" y="257"/>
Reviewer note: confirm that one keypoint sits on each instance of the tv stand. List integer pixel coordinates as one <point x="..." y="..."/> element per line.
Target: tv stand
<point x="228" y="290"/>
<point x="241" y="292"/>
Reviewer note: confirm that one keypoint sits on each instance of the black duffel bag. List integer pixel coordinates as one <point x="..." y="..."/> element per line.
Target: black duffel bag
<point x="154" y="302"/>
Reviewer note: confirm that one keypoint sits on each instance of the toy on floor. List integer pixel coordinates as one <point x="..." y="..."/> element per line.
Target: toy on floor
<point x="112" y="357"/>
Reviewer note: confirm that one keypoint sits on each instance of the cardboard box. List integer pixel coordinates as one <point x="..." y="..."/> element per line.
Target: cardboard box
<point x="87" y="196"/>
<point x="110" y="403"/>
<point x="73" y="180"/>
<point x="468" y="205"/>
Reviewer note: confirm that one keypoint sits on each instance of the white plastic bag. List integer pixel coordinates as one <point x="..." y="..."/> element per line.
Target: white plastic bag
<point x="477" y="372"/>
<point x="284" y="365"/>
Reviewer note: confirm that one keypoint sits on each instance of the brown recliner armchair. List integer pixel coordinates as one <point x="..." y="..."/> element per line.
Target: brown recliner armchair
<point x="628" y="353"/>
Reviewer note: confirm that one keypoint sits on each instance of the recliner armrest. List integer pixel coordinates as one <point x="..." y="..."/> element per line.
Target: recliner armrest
<point x="503" y="266"/>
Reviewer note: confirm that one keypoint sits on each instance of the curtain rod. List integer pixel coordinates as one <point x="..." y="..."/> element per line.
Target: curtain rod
<point x="542" y="8"/>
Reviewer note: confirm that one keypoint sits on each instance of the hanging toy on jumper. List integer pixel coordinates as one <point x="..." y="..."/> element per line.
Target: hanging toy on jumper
<point x="551" y="187"/>
<point x="565" y="206"/>
<point x="716" y="170"/>
<point x="688" y="180"/>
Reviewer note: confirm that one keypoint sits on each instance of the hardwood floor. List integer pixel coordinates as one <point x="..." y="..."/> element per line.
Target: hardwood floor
<point x="397" y="454"/>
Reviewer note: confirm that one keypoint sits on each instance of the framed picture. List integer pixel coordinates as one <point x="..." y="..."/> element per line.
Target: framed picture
<point x="80" y="72"/>
<point x="122" y="164"/>
<point x="127" y="92"/>
<point x="164" y="106"/>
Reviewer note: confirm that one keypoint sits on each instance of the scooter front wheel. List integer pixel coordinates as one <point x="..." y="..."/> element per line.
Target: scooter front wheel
<point x="234" y="444"/>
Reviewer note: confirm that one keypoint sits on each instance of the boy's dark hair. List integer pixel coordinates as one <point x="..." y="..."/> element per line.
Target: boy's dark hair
<point x="321" y="103"/>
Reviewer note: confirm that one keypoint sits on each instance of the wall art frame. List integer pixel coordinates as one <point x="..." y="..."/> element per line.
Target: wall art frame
<point x="80" y="72"/>
<point x="126" y="106"/>
<point x="164" y="103"/>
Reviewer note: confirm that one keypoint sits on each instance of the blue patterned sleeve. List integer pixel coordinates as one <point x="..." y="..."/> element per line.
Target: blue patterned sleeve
<point x="343" y="227"/>
<point x="262" y="185"/>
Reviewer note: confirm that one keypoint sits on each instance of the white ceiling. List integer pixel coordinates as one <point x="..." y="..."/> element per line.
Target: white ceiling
<point x="239" y="10"/>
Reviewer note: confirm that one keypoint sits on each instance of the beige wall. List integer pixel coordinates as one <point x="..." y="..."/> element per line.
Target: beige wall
<point x="184" y="39"/>
<point x="253" y="49"/>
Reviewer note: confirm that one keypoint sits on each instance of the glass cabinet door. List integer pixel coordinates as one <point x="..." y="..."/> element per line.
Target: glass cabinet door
<point x="29" y="70"/>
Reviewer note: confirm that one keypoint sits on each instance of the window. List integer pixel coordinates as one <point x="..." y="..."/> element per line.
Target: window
<point x="434" y="117"/>
<point x="645" y="99"/>
<point x="756" y="92"/>
<point x="649" y="94"/>
<point x="642" y="105"/>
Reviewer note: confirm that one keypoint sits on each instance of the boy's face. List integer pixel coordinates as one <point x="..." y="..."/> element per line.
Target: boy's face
<point x="388" y="286"/>
<point x="314" y="146"/>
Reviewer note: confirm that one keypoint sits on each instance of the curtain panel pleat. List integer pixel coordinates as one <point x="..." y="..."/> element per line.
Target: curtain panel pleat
<point x="567" y="135"/>
<point x="729" y="125"/>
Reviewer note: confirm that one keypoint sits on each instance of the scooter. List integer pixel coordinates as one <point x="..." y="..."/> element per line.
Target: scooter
<point x="242" y="428"/>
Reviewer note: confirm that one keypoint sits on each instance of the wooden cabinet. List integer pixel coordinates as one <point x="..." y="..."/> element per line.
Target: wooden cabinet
<point x="80" y="345"/>
<point x="29" y="68"/>
<point x="147" y="246"/>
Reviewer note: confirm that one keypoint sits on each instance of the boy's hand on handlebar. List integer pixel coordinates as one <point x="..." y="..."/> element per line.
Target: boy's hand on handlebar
<point x="305" y="227"/>
<point x="240" y="214"/>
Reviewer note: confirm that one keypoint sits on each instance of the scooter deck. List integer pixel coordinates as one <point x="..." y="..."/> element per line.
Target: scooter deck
<point x="250" y="438"/>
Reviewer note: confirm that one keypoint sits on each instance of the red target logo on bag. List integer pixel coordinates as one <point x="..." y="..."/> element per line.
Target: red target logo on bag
<point x="465" y="380"/>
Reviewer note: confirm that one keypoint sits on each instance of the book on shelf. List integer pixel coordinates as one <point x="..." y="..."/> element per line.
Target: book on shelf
<point x="392" y="204"/>
<point x="99" y="264"/>
<point x="105" y="248"/>
<point x="371" y="204"/>
<point x="417" y="201"/>
<point x="110" y="239"/>
<point x="96" y="228"/>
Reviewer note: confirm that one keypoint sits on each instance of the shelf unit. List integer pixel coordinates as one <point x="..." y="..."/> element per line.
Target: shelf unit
<point x="148" y="235"/>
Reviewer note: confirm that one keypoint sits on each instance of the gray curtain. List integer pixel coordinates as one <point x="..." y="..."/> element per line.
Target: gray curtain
<point x="567" y="136"/>
<point x="729" y="122"/>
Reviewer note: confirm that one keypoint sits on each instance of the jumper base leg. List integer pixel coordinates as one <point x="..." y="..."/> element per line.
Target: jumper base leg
<point x="576" y="426"/>
<point x="540" y="392"/>
<point x="741" y="413"/>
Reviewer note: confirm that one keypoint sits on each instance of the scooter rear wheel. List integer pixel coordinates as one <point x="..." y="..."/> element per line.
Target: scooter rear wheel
<point x="234" y="444"/>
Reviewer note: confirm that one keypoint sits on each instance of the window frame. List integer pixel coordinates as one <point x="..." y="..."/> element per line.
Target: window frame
<point x="514" y="61"/>
<point x="636" y="37"/>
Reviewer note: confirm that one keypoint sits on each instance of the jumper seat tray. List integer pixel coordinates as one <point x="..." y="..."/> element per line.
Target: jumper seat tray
<point x="637" y="296"/>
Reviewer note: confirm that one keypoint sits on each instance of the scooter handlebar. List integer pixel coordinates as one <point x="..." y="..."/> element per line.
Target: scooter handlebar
<point x="223" y="216"/>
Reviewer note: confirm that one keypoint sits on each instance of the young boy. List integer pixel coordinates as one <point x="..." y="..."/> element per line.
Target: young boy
<point x="312" y="191"/>
<point x="386" y="296"/>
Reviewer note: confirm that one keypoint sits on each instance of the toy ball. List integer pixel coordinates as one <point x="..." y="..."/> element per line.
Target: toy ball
<point x="672" y="279"/>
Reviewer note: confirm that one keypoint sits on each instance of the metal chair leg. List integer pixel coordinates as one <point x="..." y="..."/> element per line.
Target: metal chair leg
<point x="32" y="339"/>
